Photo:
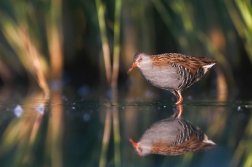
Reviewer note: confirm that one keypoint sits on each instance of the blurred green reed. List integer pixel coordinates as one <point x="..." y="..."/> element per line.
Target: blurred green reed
<point x="32" y="37"/>
<point x="112" y="77"/>
<point x="104" y="38"/>
<point x="241" y="14"/>
<point x="244" y="148"/>
<point x="37" y="26"/>
<point x="30" y="132"/>
<point x="22" y="134"/>
<point x="114" y="81"/>
<point x="24" y="25"/>
<point x="188" y="33"/>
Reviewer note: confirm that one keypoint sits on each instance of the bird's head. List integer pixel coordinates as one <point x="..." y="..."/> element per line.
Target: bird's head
<point x="138" y="149"/>
<point x="138" y="57"/>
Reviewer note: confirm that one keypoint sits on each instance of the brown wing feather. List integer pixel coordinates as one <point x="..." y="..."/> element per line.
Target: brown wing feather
<point x="191" y="145"/>
<point x="190" y="62"/>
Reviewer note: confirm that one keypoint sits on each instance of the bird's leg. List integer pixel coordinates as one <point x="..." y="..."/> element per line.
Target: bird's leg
<point x="177" y="93"/>
<point x="178" y="112"/>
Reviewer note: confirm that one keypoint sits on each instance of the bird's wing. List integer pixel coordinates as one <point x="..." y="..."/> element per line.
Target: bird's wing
<point x="187" y="130"/>
<point x="190" y="62"/>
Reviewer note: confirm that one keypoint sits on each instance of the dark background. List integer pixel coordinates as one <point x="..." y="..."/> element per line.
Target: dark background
<point x="219" y="30"/>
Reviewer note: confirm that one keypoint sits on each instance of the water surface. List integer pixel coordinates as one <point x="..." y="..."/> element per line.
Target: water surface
<point x="83" y="132"/>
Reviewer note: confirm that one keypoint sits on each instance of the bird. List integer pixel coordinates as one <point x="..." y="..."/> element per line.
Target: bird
<point x="172" y="71"/>
<point x="172" y="136"/>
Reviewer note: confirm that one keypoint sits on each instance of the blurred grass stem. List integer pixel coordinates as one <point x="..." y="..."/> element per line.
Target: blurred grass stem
<point x="106" y="137"/>
<point x="116" y="48"/>
<point x="104" y="39"/>
<point x="55" y="131"/>
<point x="34" y="55"/>
<point x="116" y="128"/>
<point x="244" y="146"/>
<point x="55" y="39"/>
<point x="114" y="81"/>
<point x="242" y="20"/>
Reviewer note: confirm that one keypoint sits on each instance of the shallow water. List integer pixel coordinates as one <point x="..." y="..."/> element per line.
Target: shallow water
<point x="65" y="132"/>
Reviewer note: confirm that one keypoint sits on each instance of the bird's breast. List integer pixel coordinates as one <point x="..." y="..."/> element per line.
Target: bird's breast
<point x="165" y="77"/>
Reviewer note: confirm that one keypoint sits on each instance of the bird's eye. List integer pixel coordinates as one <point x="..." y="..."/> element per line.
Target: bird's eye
<point x="140" y="149"/>
<point x="139" y="59"/>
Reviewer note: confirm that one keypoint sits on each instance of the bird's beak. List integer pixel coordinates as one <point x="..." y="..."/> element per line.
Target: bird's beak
<point x="134" y="144"/>
<point x="132" y="67"/>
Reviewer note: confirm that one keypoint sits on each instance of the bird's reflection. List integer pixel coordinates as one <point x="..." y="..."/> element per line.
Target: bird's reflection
<point x="172" y="136"/>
